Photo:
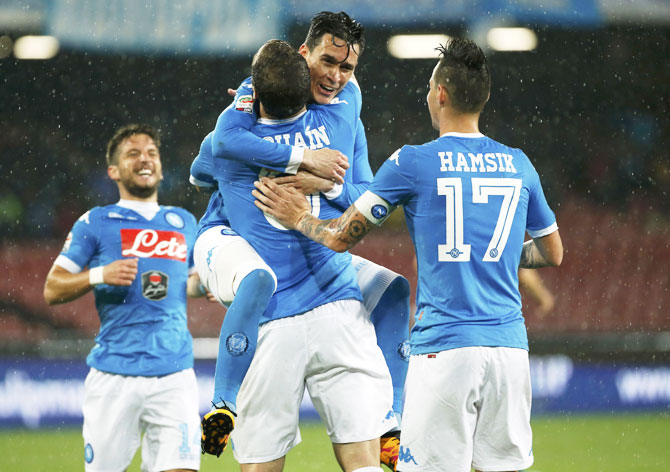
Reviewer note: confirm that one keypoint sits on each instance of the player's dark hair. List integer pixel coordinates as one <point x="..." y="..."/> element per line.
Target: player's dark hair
<point x="464" y="72"/>
<point x="126" y="132"/>
<point x="280" y="77"/>
<point x="340" y="25"/>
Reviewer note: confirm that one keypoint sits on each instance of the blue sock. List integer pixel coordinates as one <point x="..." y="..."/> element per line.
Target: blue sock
<point x="239" y="335"/>
<point x="391" y="321"/>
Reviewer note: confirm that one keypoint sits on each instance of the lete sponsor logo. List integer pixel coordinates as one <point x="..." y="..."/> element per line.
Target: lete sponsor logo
<point x="153" y="244"/>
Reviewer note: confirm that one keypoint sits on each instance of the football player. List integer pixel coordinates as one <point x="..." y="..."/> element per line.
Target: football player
<point x="469" y="201"/>
<point x="332" y="61"/>
<point x="137" y="257"/>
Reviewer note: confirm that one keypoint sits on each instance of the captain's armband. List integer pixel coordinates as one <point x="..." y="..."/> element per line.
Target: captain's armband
<point x="373" y="207"/>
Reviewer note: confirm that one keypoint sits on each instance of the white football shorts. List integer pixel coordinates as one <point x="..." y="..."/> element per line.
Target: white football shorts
<point x="223" y="259"/>
<point x="118" y="409"/>
<point x="467" y="407"/>
<point x="332" y="351"/>
<point x="373" y="280"/>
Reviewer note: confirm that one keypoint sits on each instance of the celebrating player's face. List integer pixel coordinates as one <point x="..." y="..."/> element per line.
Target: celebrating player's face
<point x="331" y="65"/>
<point x="138" y="168"/>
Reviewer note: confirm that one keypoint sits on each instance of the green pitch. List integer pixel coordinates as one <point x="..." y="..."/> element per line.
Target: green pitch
<point x="620" y="443"/>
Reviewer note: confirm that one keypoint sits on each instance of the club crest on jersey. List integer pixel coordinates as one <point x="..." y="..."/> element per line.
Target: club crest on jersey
<point x="245" y="103"/>
<point x="174" y="219"/>
<point x="150" y="243"/>
<point x="154" y="285"/>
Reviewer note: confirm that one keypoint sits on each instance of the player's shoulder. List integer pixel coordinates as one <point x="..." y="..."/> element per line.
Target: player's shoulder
<point x="95" y="214"/>
<point x="402" y="157"/>
<point x="351" y="94"/>
<point x="244" y="97"/>
<point x="410" y="151"/>
<point x="505" y="147"/>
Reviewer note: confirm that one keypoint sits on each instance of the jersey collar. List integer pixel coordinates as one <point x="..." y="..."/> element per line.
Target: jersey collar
<point x="271" y="121"/>
<point x="147" y="209"/>
<point x="463" y="135"/>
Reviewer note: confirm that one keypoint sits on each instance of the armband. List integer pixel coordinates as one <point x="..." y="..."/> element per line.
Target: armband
<point x="373" y="207"/>
<point x="95" y="276"/>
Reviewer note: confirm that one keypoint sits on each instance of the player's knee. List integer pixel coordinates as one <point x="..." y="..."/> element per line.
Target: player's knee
<point x="400" y="287"/>
<point x="263" y="281"/>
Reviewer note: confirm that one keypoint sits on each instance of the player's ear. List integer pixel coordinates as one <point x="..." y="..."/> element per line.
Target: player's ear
<point x="442" y="94"/>
<point x="113" y="173"/>
<point x="303" y="50"/>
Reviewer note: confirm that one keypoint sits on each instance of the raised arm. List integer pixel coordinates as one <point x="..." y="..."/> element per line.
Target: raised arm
<point x="233" y="139"/>
<point x="202" y="167"/>
<point x="360" y="173"/>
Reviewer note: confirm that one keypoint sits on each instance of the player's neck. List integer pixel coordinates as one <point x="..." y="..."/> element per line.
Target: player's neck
<point x="459" y="123"/>
<point x="125" y="195"/>
<point x="264" y="114"/>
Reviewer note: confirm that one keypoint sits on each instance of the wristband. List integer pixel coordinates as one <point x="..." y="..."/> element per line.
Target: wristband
<point x="95" y="276"/>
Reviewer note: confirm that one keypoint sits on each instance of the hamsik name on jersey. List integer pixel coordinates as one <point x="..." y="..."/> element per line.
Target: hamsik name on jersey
<point x="495" y="162"/>
<point x="469" y="201"/>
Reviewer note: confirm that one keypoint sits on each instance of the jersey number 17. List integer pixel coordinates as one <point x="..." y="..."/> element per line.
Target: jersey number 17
<point x="455" y="249"/>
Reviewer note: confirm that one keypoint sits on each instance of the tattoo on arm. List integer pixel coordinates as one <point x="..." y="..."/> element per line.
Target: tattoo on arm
<point x="345" y="231"/>
<point x="315" y="228"/>
<point x="531" y="257"/>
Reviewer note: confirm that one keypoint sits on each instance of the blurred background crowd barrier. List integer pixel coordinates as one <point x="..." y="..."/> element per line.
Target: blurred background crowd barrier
<point x="586" y="97"/>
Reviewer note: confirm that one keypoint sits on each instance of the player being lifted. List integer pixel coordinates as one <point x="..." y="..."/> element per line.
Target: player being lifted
<point x="469" y="201"/>
<point x="141" y="386"/>
<point x="331" y="49"/>
<point x="315" y="333"/>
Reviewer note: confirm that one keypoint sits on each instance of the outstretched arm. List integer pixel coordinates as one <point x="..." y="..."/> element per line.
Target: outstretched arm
<point x="291" y="209"/>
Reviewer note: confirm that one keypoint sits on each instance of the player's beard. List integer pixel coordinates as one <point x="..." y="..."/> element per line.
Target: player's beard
<point x="141" y="191"/>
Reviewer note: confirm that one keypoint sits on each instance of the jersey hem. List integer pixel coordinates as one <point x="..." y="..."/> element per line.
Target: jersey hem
<point x="67" y="264"/>
<point x="543" y="232"/>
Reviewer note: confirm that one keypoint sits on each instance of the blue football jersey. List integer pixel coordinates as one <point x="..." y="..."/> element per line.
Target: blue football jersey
<point x="240" y="117"/>
<point x="202" y="167"/>
<point x="232" y="139"/>
<point x="308" y="274"/>
<point x="202" y="175"/>
<point x="143" y="327"/>
<point x="468" y="202"/>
